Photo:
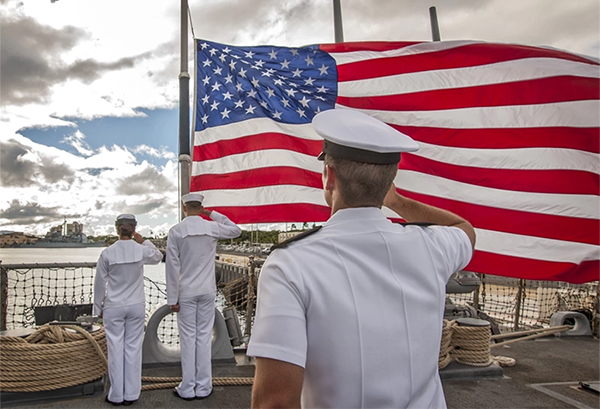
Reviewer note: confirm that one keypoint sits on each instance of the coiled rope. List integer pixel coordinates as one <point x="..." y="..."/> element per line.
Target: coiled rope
<point x="53" y="357"/>
<point x="471" y="345"/>
<point x="446" y="344"/>
<point x="59" y="356"/>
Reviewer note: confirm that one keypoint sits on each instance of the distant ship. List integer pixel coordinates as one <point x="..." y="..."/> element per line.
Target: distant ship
<point x="63" y="236"/>
<point x="55" y="244"/>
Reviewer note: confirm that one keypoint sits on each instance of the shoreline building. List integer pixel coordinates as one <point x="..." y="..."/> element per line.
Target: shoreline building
<point x="13" y="238"/>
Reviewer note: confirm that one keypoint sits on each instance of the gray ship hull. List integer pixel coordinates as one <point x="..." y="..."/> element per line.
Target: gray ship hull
<point x="49" y="244"/>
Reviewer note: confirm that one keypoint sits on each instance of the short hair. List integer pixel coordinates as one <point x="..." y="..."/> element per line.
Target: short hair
<point x="362" y="184"/>
<point x="193" y="205"/>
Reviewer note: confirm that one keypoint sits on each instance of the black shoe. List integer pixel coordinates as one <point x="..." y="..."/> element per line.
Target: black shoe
<point x="179" y="396"/>
<point x="204" y="397"/>
<point x="128" y="402"/>
<point x="111" y="402"/>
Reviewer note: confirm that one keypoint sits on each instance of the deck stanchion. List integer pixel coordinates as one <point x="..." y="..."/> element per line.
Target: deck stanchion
<point x="3" y="296"/>
<point x="250" y="303"/>
<point x="476" y="293"/>
<point x="518" y="300"/>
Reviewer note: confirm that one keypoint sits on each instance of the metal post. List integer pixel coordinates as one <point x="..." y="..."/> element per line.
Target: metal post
<point x="184" y="109"/>
<point x="250" y="303"/>
<point x="337" y="22"/>
<point x="518" y="305"/>
<point x="3" y="296"/>
<point x="476" y="294"/>
<point x="435" y="28"/>
<point x="596" y="324"/>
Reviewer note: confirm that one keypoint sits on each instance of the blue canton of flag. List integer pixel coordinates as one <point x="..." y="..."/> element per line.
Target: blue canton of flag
<point x="289" y="85"/>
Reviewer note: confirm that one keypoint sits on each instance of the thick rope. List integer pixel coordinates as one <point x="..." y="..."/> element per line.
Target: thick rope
<point x="171" y="382"/>
<point x="446" y="344"/>
<point x="471" y="345"/>
<point x="537" y="333"/>
<point x="53" y="357"/>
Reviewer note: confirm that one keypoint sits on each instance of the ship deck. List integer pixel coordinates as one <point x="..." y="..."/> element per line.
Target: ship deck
<point x="546" y="375"/>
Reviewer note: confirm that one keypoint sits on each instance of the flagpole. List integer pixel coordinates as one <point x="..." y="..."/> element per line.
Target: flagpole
<point x="185" y="160"/>
<point x="337" y="22"/>
<point x="435" y="28"/>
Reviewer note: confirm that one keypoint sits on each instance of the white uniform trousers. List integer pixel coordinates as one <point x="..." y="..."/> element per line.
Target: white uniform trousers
<point x="124" y="327"/>
<point x="195" y="320"/>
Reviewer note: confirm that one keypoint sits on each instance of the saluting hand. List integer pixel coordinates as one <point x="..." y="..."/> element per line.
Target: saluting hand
<point x="138" y="237"/>
<point x="391" y="197"/>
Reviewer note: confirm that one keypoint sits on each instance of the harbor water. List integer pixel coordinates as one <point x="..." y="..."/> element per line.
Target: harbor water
<point x="68" y="255"/>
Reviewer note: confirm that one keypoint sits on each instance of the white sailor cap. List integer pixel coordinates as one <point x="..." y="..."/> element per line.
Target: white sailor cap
<point x="126" y="218"/>
<point x="192" y="197"/>
<point x="350" y="134"/>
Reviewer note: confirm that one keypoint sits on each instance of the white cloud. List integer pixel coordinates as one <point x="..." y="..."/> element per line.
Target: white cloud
<point x="156" y="153"/>
<point x="96" y="186"/>
<point x="77" y="140"/>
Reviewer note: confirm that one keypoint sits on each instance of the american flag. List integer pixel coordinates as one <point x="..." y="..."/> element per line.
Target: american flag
<point x="509" y="138"/>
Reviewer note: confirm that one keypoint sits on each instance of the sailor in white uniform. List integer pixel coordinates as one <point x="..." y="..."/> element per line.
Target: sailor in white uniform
<point x="350" y="315"/>
<point x="119" y="300"/>
<point x="191" y="289"/>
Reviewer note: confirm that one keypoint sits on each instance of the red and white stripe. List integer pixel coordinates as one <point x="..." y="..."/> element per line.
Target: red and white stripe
<point x="509" y="138"/>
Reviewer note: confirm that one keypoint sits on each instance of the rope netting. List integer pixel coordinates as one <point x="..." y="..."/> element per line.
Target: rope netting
<point x="511" y="304"/>
<point x="30" y="286"/>
<point x="517" y="304"/>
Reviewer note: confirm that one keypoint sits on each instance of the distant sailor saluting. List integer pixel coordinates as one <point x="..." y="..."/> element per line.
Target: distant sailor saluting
<point x="191" y="289"/>
<point x="351" y="315"/>
<point x="119" y="300"/>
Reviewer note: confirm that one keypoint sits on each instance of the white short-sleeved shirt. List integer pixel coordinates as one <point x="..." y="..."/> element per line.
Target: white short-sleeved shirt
<point x="191" y="250"/>
<point x="119" y="277"/>
<point x="359" y="305"/>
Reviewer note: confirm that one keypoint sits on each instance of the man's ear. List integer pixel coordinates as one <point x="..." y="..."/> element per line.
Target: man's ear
<point x="331" y="178"/>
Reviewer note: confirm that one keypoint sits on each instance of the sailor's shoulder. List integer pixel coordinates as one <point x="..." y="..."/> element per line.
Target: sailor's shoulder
<point x="296" y="238"/>
<point x="175" y="228"/>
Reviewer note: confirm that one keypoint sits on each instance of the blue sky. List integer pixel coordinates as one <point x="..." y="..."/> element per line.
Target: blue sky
<point x="89" y="89"/>
<point x="157" y="128"/>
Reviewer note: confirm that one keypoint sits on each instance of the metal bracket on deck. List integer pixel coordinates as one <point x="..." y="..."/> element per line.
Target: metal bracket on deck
<point x="155" y="352"/>
<point x="582" y="324"/>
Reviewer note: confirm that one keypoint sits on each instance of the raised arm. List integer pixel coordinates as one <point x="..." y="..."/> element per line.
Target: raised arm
<point x="226" y="228"/>
<point x="413" y="211"/>
<point x="152" y="255"/>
